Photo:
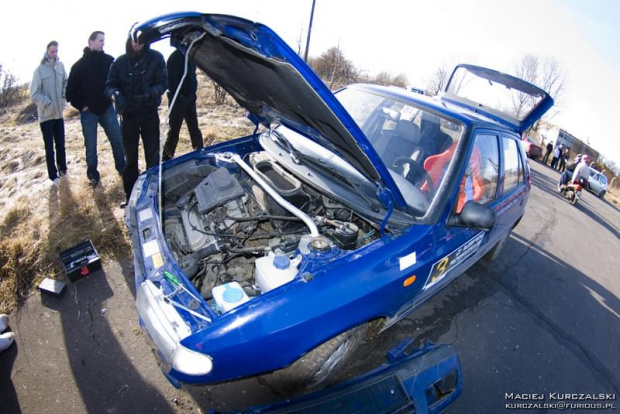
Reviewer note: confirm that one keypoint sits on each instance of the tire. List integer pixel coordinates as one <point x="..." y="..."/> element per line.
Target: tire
<point x="574" y="200"/>
<point x="315" y="369"/>
<point x="496" y="250"/>
<point x="601" y="194"/>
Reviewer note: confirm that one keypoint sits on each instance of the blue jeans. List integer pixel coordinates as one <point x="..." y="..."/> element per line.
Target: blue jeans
<point x="110" y="125"/>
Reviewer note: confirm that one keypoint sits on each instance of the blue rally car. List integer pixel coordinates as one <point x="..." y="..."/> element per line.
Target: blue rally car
<point x="281" y="251"/>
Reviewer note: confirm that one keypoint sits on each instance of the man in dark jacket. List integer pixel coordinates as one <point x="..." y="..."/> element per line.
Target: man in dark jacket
<point x="184" y="104"/>
<point x="135" y="83"/>
<point x="548" y="153"/>
<point x="85" y="92"/>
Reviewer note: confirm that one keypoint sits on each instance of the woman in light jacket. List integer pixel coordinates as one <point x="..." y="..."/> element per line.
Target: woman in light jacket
<point x="47" y="91"/>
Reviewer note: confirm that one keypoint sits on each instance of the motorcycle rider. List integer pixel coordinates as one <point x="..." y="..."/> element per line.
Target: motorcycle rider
<point x="582" y="172"/>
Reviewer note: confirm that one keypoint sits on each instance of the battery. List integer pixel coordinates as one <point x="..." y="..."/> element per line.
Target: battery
<point x="80" y="260"/>
<point x="51" y="286"/>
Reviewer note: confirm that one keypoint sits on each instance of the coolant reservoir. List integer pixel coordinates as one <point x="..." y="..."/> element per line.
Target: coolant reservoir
<point x="274" y="270"/>
<point x="228" y="296"/>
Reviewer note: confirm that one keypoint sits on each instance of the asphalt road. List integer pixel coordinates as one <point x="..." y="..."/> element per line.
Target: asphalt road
<point x="544" y="318"/>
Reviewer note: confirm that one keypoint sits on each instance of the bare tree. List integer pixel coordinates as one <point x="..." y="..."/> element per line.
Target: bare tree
<point x="334" y="68"/>
<point x="526" y="69"/>
<point x="547" y="75"/>
<point x="437" y="82"/>
<point x="386" y="78"/>
<point x="10" y="92"/>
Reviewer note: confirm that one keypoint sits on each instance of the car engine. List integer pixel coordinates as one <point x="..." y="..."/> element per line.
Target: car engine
<point x="222" y="226"/>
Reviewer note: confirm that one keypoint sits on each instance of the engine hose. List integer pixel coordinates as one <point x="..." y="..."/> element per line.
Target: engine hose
<point x="256" y="249"/>
<point x="267" y="217"/>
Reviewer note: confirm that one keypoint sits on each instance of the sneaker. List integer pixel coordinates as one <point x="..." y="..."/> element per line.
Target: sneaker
<point x="64" y="174"/>
<point x="4" y="322"/>
<point x="6" y="339"/>
<point x="56" y="182"/>
<point x="93" y="182"/>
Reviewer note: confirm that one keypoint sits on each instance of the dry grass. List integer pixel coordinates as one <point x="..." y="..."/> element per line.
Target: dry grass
<point x="38" y="221"/>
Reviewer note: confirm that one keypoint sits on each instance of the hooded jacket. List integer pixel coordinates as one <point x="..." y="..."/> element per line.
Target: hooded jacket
<point x="48" y="87"/>
<point x="87" y="82"/>
<point x="140" y="79"/>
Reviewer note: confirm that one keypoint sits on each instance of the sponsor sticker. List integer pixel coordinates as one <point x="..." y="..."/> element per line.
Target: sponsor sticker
<point x="443" y="266"/>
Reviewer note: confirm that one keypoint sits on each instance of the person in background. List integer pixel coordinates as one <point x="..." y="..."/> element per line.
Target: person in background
<point x="570" y="169"/>
<point x="136" y="82"/>
<point x="184" y="105"/>
<point x="563" y="160"/>
<point x="6" y="338"/>
<point x="85" y="92"/>
<point x="47" y="91"/>
<point x="548" y="153"/>
<point x="557" y="154"/>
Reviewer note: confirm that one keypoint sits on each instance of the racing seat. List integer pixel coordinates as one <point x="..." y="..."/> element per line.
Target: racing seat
<point x="432" y="139"/>
<point x="404" y="141"/>
<point x="472" y="185"/>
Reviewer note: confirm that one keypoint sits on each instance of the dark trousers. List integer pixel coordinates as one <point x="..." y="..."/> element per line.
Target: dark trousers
<point x="184" y="109"/>
<point x="134" y="127"/>
<point x="546" y="157"/>
<point x="54" y="135"/>
<point x="554" y="162"/>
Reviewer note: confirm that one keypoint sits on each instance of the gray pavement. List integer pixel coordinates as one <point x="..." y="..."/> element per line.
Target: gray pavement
<point x="544" y="318"/>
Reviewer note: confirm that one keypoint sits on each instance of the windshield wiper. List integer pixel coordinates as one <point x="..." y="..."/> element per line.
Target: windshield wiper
<point x="371" y="203"/>
<point x="276" y="136"/>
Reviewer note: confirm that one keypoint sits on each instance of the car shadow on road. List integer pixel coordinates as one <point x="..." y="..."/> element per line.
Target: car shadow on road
<point x="563" y="307"/>
<point x="104" y="375"/>
<point x="589" y="210"/>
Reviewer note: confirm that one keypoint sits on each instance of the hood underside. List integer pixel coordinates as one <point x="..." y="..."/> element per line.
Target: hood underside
<point x="265" y="76"/>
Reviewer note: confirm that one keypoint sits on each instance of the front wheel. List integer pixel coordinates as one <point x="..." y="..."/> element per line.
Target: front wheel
<point x="497" y="249"/>
<point x="317" y="367"/>
<point x="601" y="194"/>
<point x="575" y="198"/>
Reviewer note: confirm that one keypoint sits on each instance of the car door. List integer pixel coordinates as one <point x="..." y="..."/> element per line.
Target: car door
<point x="514" y="185"/>
<point x="457" y="248"/>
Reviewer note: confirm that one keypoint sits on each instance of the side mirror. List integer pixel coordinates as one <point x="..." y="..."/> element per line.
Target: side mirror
<point x="475" y="216"/>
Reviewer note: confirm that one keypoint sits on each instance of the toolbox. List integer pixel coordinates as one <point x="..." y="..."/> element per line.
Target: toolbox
<point x="80" y="260"/>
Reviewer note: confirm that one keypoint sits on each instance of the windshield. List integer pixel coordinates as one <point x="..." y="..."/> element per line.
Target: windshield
<point x="415" y="145"/>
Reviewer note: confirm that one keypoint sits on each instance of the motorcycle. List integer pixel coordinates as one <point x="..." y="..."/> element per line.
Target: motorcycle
<point x="572" y="191"/>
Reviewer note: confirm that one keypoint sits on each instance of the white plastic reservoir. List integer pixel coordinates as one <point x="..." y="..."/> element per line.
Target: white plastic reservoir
<point x="228" y="296"/>
<point x="274" y="270"/>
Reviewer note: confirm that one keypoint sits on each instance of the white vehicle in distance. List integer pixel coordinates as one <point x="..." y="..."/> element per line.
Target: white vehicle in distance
<point x="597" y="183"/>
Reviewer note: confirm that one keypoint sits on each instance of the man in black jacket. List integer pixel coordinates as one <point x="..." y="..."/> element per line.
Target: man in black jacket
<point x="135" y="83"/>
<point x="184" y="105"/>
<point x="85" y="92"/>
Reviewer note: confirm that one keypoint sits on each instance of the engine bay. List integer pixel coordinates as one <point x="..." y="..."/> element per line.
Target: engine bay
<point x="235" y="240"/>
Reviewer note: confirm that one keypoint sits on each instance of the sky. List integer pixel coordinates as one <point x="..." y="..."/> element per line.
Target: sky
<point x="413" y="37"/>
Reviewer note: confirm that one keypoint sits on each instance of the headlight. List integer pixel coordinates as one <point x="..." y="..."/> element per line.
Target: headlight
<point x="190" y="362"/>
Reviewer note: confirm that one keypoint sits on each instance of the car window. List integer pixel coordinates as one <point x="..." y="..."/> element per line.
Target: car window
<point x="513" y="171"/>
<point x="480" y="181"/>
<point x="413" y="143"/>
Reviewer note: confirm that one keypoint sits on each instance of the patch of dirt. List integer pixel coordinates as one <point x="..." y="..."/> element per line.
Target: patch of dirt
<point x="38" y="220"/>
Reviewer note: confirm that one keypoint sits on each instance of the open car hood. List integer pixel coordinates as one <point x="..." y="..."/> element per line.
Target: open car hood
<point x="502" y="97"/>
<point x="265" y="76"/>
